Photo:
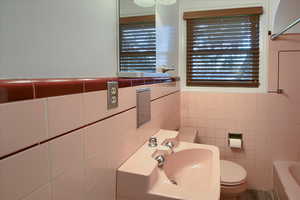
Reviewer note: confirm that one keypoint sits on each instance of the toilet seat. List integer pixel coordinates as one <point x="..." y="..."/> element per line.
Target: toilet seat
<point x="232" y="174"/>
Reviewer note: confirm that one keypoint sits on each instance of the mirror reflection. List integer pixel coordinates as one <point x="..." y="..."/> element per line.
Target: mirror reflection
<point x="137" y="37"/>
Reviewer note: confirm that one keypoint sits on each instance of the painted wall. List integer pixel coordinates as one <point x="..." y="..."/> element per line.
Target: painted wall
<point x="287" y="11"/>
<point x="78" y="164"/>
<point x="195" y="5"/>
<point x="57" y="38"/>
<point x="167" y="36"/>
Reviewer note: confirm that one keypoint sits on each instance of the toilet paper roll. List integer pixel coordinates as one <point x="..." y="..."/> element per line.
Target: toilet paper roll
<point x="235" y="143"/>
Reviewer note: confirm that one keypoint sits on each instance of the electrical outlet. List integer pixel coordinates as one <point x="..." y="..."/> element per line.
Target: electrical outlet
<point x="112" y="95"/>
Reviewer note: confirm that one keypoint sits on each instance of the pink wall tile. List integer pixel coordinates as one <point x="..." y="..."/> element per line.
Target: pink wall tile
<point x="269" y="122"/>
<point x="103" y="137"/>
<point x="69" y="185"/>
<point x="108" y="146"/>
<point x="269" y="131"/>
<point x="82" y="165"/>
<point x="66" y="152"/>
<point x="162" y="89"/>
<point x="101" y="178"/>
<point x="64" y="114"/>
<point x="22" y="124"/>
<point x="23" y="173"/>
<point x="95" y="106"/>
<point x="43" y="193"/>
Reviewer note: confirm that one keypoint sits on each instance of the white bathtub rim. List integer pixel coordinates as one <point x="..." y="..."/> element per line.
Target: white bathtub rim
<point x="290" y="186"/>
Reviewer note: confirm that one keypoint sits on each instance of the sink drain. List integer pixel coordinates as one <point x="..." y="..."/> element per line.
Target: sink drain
<point x="174" y="182"/>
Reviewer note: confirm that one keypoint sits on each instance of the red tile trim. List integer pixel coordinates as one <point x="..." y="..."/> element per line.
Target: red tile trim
<point x="16" y="90"/>
<point x="25" y="89"/>
<point x="91" y="85"/>
<point x="57" y="87"/>
<point x="137" y="82"/>
<point x="74" y="130"/>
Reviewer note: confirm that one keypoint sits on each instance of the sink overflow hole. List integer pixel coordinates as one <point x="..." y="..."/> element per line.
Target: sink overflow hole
<point x="174" y="182"/>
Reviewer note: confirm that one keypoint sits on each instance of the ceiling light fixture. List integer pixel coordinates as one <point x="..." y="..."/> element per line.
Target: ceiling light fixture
<point x="145" y="3"/>
<point x="167" y="2"/>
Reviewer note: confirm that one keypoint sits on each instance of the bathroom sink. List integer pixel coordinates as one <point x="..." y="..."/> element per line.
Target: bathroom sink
<point x="191" y="172"/>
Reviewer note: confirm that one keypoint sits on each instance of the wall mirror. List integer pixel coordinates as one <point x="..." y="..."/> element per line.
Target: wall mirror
<point x="137" y="36"/>
<point x="148" y="37"/>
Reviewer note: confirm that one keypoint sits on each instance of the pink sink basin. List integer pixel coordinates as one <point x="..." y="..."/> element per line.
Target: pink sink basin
<point x="192" y="172"/>
<point x="189" y="168"/>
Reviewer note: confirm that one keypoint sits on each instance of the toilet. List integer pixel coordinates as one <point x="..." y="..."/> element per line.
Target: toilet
<point x="233" y="180"/>
<point x="233" y="176"/>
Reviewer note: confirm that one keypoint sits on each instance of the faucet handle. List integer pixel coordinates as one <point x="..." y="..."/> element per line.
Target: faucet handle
<point x="160" y="160"/>
<point x="152" y="142"/>
<point x="169" y="144"/>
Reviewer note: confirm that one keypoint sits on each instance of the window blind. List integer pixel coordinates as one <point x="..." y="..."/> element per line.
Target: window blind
<point x="223" y="50"/>
<point x="138" y="44"/>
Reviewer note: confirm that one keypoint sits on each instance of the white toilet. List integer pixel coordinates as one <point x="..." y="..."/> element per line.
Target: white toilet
<point x="233" y="180"/>
<point x="233" y="176"/>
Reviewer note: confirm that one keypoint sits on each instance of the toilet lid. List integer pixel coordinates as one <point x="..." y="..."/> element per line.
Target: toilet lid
<point x="232" y="173"/>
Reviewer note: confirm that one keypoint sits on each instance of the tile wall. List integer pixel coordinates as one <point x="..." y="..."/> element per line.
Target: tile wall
<point x="69" y="147"/>
<point x="270" y="125"/>
<point x="270" y="122"/>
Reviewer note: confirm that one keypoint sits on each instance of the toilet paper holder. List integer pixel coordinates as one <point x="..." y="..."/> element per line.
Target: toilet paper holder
<point x="238" y="136"/>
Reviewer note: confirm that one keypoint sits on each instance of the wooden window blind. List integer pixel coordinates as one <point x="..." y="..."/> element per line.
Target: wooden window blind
<point x="223" y="47"/>
<point x="137" y="44"/>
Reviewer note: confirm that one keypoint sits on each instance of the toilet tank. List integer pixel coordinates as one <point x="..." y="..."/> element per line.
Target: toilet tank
<point x="188" y="134"/>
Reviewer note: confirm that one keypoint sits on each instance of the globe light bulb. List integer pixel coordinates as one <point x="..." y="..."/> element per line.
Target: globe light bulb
<point x="145" y="3"/>
<point x="167" y="2"/>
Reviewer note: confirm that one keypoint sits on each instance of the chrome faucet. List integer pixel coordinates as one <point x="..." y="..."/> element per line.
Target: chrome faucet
<point x="165" y="68"/>
<point x="152" y="142"/>
<point x="171" y="144"/>
<point x="160" y="160"/>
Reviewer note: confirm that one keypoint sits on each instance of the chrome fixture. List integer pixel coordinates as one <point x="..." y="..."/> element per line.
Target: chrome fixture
<point x="160" y="160"/>
<point x="171" y="144"/>
<point x="277" y="91"/>
<point x="274" y="36"/>
<point x="152" y="142"/>
<point x="164" y="69"/>
<point x="112" y="94"/>
<point x="143" y="106"/>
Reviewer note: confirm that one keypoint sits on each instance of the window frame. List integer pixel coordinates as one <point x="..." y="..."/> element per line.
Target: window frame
<point x="248" y="11"/>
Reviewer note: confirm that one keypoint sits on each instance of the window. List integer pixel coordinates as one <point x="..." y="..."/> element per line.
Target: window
<point x="223" y="47"/>
<point x="137" y="44"/>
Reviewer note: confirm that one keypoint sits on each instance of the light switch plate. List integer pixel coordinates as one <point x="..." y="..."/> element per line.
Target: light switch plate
<point x="112" y="94"/>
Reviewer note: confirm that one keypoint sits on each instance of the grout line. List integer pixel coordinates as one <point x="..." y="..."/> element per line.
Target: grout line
<point x="74" y="130"/>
